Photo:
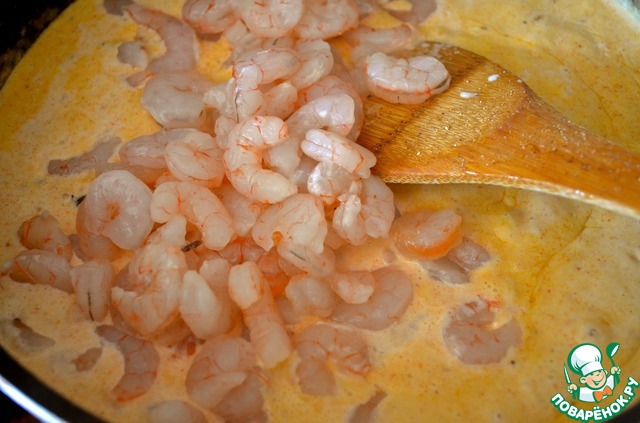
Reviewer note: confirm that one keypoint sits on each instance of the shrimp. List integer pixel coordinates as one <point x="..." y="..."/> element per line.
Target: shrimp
<point x="366" y="413"/>
<point x="151" y="302"/>
<point x="427" y="234"/>
<point x="419" y="11"/>
<point x="199" y="205"/>
<point x="244" y="210"/>
<point x="325" y="19"/>
<point x="42" y="232"/>
<point x="392" y="295"/>
<point x="209" y="16"/>
<point x="472" y="336"/>
<point x="91" y="246"/>
<point x="175" y="411"/>
<point x="249" y="289"/>
<point x="143" y="156"/>
<point x="179" y="39"/>
<point x="92" y="283"/>
<point x="310" y="295"/>
<point x="406" y="81"/>
<point x="221" y="365"/>
<point x="348" y="222"/>
<point x="176" y="99"/>
<point x="298" y="220"/>
<point x="141" y="362"/>
<point x="305" y="259"/>
<point x="317" y="62"/>
<point x="325" y="146"/>
<point x="260" y="68"/>
<point x="243" y="160"/>
<point x="193" y="156"/>
<point x="331" y="85"/>
<point x="378" y="207"/>
<point x="334" y="113"/>
<point x="367" y="40"/>
<point x="319" y="344"/>
<point x="469" y="255"/>
<point x="173" y="232"/>
<point x="133" y="53"/>
<point x="94" y="158"/>
<point x="202" y="310"/>
<point x="328" y="181"/>
<point x="117" y="206"/>
<point x="353" y="287"/>
<point x="40" y="267"/>
<point x="280" y="100"/>
<point x="271" y="18"/>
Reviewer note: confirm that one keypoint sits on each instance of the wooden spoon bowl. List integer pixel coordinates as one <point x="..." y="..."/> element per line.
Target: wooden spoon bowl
<point x="489" y="127"/>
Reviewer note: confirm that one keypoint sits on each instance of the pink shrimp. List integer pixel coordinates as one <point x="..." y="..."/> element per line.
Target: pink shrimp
<point x="244" y="210"/>
<point x="366" y="413"/>
<point x="427" y="234"/>
<point x="250" y="290"/>
<point x="179" y="39"/>
<point x="117" y="206"/>
<point x="319" y="344"/>
<point x="135" y="54"/>
<point x="199" y="205"/>
<point x="172" y="411"/>
<point x="407" y="81"/>
<point x="193" y="156"/>
<point x="243" y="160"/>
<point x="471" y="336"/>
<point x="392" y="295"/>
<point x="40" y="267"/>
<point x="92" y="283"/>
<point x="317" y="61"/>
<point x="310" y="295"/>
<point x="141" y="361"/>
<point x="355" y="287"/>
<point x="367" y="40"/>
<point x="323" y="19"/>
<point x="298" y="220"/>
<point x="151" y="302"/>
<point x="271" y="18"/>
<point x="91" y="159"/>
<point x="42" y="232"/>
<point x="326" y="146"/>
<point x="222" y="365"/>
<point x="209" y="16"/>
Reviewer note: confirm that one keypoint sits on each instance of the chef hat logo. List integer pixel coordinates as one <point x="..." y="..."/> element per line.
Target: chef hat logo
<point x="585" y="359"/>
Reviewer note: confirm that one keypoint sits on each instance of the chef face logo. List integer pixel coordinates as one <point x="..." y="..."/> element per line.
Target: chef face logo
<point x="595" y="380"/>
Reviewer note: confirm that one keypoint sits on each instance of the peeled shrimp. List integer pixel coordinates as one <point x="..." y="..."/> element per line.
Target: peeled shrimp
<point x="141" y="362"/>
<point x="271" y="18"/>
<point x="175" y="411"/>
<point x="89" y="245"/>
<point x="353" y="287"/>
<point x="298" y="220"/>
<point x="91" y="159"/>
<point x="199" y="205"/>
<point x="260" y="68"/>
<point x="40" y="267"/>
<point x="203" y="311"/>
<point x="209" y="16"/>
<point x="250" y="290"/>
<point x="133" y="53"/>
<point x="317" y="61"/>
<point x="42" y="232"/>
<point x="243" y="210"/>
<point x="310" y="296"/>
<point x="305" y="259"/>
<point x="176" y="99"/>
<point x="407" y="81"/>
<point x="319" y="344"/>
<point x="117" y="206"/>
<point x="92" y="283"/>
<point x="323" y="19"/>
<point x="178" y="37"/>
<point x="426" y="233"/>
<point x="193" y="156"/>
<point x="328" y="181"/>
<point x="326" y="146"/>
<point x="367" y="40"/>
<point x="243" y="160"/>
<point x="391" y="297"/>
<point x="221" y="365"/>
<point x="155" y="277"/>
<point x="472" y="336"/>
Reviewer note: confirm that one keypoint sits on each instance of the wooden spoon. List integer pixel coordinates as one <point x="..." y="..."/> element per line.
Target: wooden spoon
<point x="489" y="127"/>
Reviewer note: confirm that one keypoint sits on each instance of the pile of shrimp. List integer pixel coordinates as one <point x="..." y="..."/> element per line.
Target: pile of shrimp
<point x="218" y="233"/>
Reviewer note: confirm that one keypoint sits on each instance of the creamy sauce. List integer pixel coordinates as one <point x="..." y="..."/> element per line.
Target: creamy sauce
<point x="569" y="273"/>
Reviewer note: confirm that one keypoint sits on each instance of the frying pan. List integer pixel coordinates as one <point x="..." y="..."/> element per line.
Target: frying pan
<point x="20" y="25"/>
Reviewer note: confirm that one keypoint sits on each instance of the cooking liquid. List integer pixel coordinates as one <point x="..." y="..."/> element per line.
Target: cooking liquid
<point x="568" y="272"/>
